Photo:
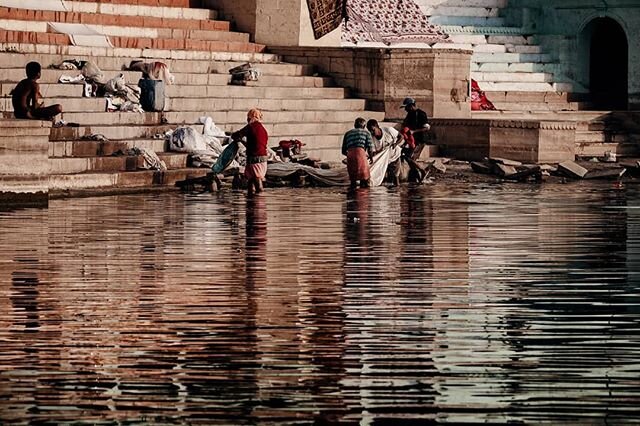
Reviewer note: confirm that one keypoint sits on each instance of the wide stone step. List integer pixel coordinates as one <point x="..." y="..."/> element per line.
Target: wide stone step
<point x="294" y="130"/>
<point x="216" y="34"/>
<point x="205" y="106"/>
<point x="113" y="65"/>
<point x="462" y="3"/>
<point x="158" y="8"/>
<point x="60" y="183"/>
<point x="74" y="165"/>
<point x="467" y="21"/>
<point x="491" y="86"/>
<point x="597" y="149"/>
<point x="511" y="58"/>
<point x="519" y="77"/>
<point x="54" y="40"/>
<point x="238" y="116"/>
<point x="51" y="77"/>
<point x="184" y="22"/>
<point x="50" y="53"/>
<point x="87" y="148"/>
<point x="180" y="91"/>
<point x="482" y="29"/>
<point x="514" y="67"/>
<point x="459" y="11"/>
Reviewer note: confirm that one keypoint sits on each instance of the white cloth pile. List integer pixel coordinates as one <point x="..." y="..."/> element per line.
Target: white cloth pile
<point x="203" y="148"/>
<point x="339" y="177"/>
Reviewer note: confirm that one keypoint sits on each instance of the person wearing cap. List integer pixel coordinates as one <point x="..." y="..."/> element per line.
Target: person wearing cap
<point x="416" y="123"/>
<point x="357" y="146"/>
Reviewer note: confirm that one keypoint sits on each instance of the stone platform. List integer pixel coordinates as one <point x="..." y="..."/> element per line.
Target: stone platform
<point x="528" y="141"/>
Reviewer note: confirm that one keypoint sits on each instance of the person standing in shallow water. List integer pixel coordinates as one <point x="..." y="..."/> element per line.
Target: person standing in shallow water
<point x="358" y="146"/>
<point x="26" y="97"/>
<point x="415" y="124"/>
<point x="257" y="139"/>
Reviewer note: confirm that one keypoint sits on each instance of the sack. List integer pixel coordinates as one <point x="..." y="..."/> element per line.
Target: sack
<point x="151" y="95"/>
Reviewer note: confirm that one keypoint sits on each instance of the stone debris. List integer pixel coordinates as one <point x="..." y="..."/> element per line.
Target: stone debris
<point x="572" y="169"/>
<point x="616" y="173"/>
<point x="438" y="165"/>
<point x="506" y="162"/>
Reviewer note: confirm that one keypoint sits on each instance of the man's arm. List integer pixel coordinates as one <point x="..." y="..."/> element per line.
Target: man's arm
<point x="344" y="144"/>
<point x="242" y="133"/>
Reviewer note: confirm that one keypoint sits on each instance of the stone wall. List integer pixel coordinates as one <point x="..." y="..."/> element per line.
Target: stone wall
<point x="270" y="22"/>
<point x="560" y="24"/>
<point x="24" y="161"/>
<point x="528" y="141"/>
<point x="437" y="79"/>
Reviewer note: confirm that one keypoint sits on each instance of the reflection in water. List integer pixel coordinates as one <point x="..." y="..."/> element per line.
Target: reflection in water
<point x="415" y="305"/>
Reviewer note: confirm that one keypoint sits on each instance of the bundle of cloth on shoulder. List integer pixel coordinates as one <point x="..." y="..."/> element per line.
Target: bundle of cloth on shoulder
<point x="120" y="95"/>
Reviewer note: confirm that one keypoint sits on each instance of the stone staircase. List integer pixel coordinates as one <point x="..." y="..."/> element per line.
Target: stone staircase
<point x="508" y="63"/>
<point x="199" y="51"/>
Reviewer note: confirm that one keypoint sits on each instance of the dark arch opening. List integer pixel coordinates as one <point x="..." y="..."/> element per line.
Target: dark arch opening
<point x="608" y="65"/>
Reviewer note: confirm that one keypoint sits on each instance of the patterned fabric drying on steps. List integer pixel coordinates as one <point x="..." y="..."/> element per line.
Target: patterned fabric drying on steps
<point x="326" y="15"/>
<point x="389" y="22"/>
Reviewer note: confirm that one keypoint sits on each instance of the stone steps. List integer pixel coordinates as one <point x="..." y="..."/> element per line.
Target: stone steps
<point x="212" y="92"/>
<point x="119" y="181"/>
<point x="175" y="9"/>
<point x="104" y="163"/>
<point x="292" y="130"/>
<point x="206" y="106"/>
<point x="61" y="149"/>
<point x="51" y="76"/>
<point x="55" y="40"/>
<point x="185" y="62"/>
<point x="238" y="116"/>
<point x="500" y="48"/>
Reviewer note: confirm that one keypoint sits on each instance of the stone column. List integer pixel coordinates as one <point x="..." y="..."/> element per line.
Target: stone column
<point x="273" y="22"/>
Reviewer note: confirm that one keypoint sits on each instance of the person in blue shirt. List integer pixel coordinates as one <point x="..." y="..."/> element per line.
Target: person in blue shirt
<point x="358" y="146"/>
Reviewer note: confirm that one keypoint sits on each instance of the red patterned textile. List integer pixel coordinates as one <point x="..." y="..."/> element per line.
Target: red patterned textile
<point x="388" y="22"/>
<point x="326" y="15"/>
<point x="479" y="101"/>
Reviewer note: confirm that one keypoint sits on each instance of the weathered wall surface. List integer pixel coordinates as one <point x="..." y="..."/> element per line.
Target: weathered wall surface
<point x="560" y="24"/>
<point x="529" y="141"/>
<point x="274" y="23"/>
<point x="24" y="160"/>
<point x="437" y="79"/>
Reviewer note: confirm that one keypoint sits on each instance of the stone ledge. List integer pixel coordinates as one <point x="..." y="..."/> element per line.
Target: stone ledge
<point x="514" y="124"/>
<point x="529" y="141"/>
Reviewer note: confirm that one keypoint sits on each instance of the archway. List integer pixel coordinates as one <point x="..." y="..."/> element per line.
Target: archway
<point x="608" y="64"/>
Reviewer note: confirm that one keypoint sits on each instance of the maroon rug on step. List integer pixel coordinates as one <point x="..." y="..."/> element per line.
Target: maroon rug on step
<point x="326" y="15"/>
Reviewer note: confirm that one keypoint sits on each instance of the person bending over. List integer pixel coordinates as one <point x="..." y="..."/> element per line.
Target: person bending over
<point x="26" y="97"/>
<point x="357" y="145"/>
<point x="257" y="138"/>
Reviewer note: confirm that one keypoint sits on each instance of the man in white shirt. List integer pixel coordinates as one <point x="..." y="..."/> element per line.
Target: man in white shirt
<point x="384" y="137"/>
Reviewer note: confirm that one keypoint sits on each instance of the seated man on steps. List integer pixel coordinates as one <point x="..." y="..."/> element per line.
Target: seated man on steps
<point x="26" y="97"/>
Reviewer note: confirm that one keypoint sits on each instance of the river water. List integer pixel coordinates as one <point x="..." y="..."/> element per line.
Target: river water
<point x="419" y="305"/>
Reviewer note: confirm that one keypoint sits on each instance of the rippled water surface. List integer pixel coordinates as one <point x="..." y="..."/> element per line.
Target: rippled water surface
<point x="461" y="304"/>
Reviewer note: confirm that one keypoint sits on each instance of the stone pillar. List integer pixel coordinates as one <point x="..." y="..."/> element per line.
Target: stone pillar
<point x="437" y="79"/>
<point x="273" y="23"/>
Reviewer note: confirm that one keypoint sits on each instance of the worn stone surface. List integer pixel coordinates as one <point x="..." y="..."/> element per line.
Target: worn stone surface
<point x="437" y="79"/>
<point x="527" y="141"/>
<point x="572" y="169"/>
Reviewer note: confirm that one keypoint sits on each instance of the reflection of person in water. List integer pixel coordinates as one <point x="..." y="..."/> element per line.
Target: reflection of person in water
<point x="25" y="299"/>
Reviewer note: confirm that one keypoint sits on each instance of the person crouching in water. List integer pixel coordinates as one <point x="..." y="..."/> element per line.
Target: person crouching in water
<point x="26" y="97"/>
<point x="257" y="139"/>
<point x="357" y="145"/>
